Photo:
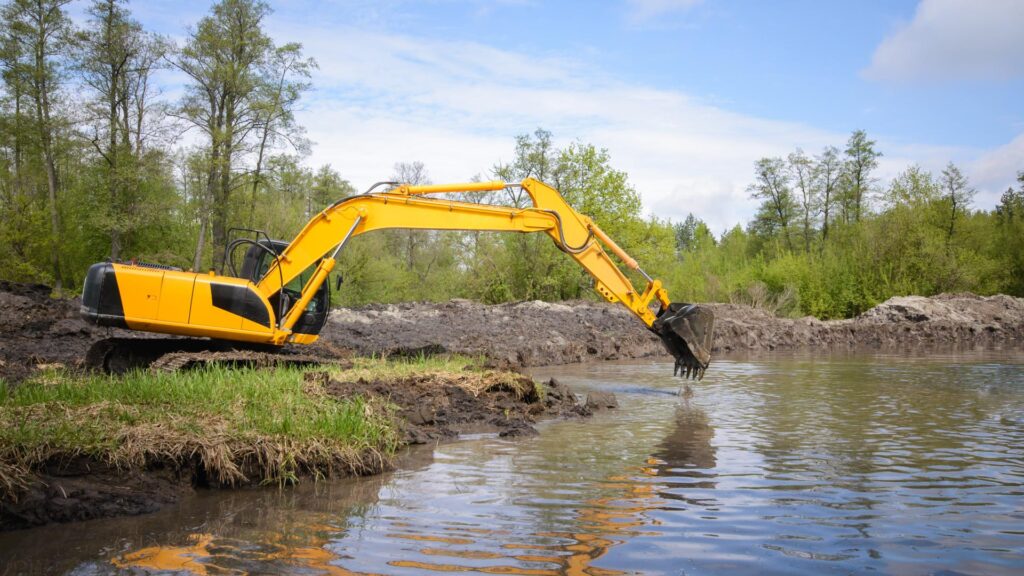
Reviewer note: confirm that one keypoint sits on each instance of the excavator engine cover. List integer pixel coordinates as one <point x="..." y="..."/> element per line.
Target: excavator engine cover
<point x="687" y="331"/>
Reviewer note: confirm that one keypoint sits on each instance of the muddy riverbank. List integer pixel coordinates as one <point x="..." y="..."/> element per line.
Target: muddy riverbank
<point x="40" y="331"/>
<point x="538" y="333"/>
<point x="131" y="445"/>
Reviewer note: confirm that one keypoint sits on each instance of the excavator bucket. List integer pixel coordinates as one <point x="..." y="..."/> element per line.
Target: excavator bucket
<point x="687" y="331"/>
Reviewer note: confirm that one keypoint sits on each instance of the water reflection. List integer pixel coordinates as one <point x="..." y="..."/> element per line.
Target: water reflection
<point x="779" y="465"/>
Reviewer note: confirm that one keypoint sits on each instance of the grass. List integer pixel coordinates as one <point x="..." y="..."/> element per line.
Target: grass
<point x="231" y="425"/>
<point x="238" y="425"/>
<point x="466" y="372"/>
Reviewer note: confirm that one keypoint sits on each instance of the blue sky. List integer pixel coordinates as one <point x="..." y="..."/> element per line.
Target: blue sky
<point x="685" y="94"/>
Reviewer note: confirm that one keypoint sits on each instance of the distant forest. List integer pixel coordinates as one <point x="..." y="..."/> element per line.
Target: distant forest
<point x="91" y="167"/>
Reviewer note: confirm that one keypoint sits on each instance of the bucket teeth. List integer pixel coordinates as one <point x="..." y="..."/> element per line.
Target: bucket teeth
<point x="687" y="331"/>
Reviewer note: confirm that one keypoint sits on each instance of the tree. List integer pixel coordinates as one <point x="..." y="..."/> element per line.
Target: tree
<point x="1010" y="229"/>
<point x="535" y="157"/>
<point x="414" y="173"/>
<point x="223" y="57"/>
<point x="117" y="61"/>
<point x="40" y="34"/>
<point x="958" y="194"/>
<point x="861" y="160"/>
<point x="685" y="232"/>
<point x="328" y="187"/>
<point x="914" y="188"/>
<point x="802" y="172"/>
<point x="827" y="174"/>
<point x="284" y="80"/>
<point x="777" y="206"/>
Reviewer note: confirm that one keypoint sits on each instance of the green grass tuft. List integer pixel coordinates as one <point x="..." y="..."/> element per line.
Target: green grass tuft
<point x="248" y="425"/>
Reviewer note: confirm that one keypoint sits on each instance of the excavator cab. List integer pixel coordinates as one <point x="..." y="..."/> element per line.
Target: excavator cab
<point x="258" y="257"/>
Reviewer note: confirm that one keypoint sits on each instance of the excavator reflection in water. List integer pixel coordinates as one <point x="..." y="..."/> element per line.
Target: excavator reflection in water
<point x="312" y="542"/>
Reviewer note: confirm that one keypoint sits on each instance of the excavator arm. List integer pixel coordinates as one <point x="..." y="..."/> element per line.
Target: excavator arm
<point x="160" y="299"/>
<point x="685" y="329"/>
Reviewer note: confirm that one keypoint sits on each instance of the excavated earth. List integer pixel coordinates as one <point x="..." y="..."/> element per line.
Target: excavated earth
<point x="37" y="330"/>
<point x="538" y="333"/>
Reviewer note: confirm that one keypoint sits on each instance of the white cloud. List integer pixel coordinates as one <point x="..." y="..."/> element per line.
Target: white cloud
<point x="457" y="106"/>
<point x="643" y="9"/>
<point x="954" y="40"/>
<point x="996" y="170"/>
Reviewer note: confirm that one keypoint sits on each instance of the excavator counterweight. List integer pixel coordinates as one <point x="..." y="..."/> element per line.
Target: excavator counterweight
<point x="281" y="296"/>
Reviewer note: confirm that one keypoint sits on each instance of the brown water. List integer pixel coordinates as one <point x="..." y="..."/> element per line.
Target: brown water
<point x="779" y="464"/>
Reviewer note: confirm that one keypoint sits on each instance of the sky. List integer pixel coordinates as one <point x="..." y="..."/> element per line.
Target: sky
<point x="684" y="94"/>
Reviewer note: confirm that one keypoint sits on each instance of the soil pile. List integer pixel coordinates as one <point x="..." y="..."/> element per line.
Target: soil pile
<point x="538" y="333"/>
<point x="39" y="330"/>
<point x="902" y="321"/>
<point x="438" y="406"/>
<point x="510" y="335"/>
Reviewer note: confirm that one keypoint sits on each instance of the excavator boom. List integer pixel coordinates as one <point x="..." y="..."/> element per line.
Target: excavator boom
<point x="279" y="297"/>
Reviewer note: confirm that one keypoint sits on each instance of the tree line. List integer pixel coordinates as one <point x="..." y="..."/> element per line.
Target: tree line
<point x="97" y="162"/>
<point x="831" y="240"/>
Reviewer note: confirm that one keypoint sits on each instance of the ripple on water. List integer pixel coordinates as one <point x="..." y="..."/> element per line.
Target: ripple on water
<point x="784" y="464"/>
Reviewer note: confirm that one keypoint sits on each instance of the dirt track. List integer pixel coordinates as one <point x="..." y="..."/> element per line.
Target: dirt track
<point x="37" y="330"/>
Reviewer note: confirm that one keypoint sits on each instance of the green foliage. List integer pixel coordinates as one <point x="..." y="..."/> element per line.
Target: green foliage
<point x="89" y="170"/>
<point x="922" y="239"/>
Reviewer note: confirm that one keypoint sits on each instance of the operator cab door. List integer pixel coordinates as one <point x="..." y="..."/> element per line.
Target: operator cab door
<point x="258" y="260"/>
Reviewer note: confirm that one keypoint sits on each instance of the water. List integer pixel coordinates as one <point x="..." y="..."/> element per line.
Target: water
<point x="783" y="464"/>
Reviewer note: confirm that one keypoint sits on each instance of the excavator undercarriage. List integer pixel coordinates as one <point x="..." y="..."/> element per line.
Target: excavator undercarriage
<point x="280" y="294"/>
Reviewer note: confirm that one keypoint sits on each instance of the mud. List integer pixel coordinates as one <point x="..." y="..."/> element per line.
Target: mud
<point x="537" y="333"/>
<point x="38" y="331"/>
<point x="436" y="407"/>
<point x="82" y="488"/>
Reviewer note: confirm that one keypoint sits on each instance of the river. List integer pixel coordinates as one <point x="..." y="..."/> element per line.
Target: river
<point x="780" y="464"/>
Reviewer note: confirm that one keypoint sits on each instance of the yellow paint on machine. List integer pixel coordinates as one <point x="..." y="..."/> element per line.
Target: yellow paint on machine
<point x="140" y="291"/>
<point x="176" y="297"/>
<point x="174" y="302"/>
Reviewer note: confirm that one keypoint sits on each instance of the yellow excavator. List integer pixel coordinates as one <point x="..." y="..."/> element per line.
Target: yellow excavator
<point x="281" y="295"/>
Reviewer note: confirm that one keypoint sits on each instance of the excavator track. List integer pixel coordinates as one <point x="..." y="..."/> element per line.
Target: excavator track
<point x="121" y="355"/>
<point x="177" y="361"/>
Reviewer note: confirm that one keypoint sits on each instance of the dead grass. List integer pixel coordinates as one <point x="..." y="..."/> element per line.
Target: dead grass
<point x="466" y="373"/>
<point x="232" y="426"/>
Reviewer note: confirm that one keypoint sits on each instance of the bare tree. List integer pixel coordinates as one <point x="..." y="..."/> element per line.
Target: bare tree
<point x="828" y="172"/>
<point x="958" y="193"/>
<point x="802" y="173"/>
<point x="411" y="173"/>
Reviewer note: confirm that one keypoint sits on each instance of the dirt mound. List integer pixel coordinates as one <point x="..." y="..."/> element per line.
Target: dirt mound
<point x="519" y="334"/>
<point x="38" y="330"/>
<point x="902" y="321"/>
<point x="437" y="406"/>
<point x="538" y="333"/>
